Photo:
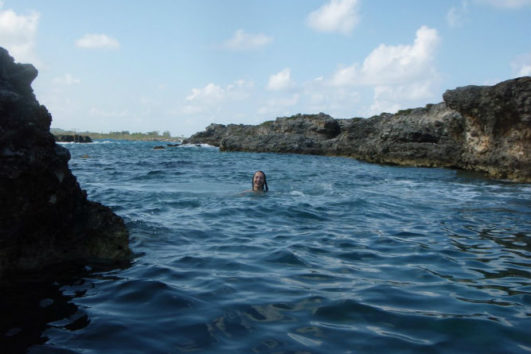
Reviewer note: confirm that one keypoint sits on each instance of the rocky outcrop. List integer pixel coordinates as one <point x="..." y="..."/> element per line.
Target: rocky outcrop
<point x="485" y="129"/>
<point x="297" y="134"/>
<point x="497" y="127"/>
<point x="72" y="138"/>
<point x="45" y="217"/>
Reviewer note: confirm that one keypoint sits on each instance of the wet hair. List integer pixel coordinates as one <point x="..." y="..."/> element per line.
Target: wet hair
<point x="265" y="188"/>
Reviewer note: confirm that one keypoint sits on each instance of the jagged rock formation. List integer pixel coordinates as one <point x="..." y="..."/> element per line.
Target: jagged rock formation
<point x="45" y="217"/>
<point x="485" y="129"/>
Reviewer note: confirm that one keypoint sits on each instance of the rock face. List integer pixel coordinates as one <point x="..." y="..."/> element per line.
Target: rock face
<point x="497" y="127"/>
<point x="45" y="217"/>
<point x="485" y="129"/>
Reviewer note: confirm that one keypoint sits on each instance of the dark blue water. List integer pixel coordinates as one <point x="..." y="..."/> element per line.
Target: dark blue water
<point x="340" y="256"/>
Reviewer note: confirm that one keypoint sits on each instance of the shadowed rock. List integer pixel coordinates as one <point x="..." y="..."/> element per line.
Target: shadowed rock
<point x="45" y="217"/>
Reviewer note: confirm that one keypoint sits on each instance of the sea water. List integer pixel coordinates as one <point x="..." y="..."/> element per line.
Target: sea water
<point x="339" y="256"/>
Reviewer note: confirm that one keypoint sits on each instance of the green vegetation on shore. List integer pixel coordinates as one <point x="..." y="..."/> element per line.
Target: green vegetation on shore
<point x="121" y="135"/>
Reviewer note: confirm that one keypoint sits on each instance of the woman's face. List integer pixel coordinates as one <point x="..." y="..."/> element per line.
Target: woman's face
<point x="258" y="180"/>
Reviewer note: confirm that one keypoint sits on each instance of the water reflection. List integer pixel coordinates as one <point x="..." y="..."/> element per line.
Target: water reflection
<point x="33" y="302"/>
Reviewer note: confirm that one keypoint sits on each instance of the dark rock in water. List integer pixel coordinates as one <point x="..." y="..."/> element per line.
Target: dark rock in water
<point x="485" y="129"/>
<point x="212" y="135"/>
<point x="158" y="147"/>
<point x="45" y="216"/>
<point x="73" y="138"/>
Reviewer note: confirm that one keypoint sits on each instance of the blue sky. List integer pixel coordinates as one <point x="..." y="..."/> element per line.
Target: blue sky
<point x="170" y="65"/>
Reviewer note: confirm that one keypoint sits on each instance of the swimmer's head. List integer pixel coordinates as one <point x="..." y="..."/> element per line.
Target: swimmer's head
<point x="259" y="182"/>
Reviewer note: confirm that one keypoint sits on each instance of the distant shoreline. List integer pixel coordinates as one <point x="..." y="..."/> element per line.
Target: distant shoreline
<point x="123" y="135"/>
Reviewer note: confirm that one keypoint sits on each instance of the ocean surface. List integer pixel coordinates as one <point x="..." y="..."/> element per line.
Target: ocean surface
<point x="340" y="256"/>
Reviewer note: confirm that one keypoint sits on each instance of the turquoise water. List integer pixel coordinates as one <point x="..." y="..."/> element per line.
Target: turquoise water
<point x="340" y="256"/>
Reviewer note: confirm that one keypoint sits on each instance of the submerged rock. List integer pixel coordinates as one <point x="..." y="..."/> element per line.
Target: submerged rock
<point x="485" y="129"/>
<point x="45" y="217"/>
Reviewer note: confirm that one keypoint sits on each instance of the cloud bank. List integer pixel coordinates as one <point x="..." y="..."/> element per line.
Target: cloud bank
<point x="389" y="64"/>
<point x="398" y="76"/>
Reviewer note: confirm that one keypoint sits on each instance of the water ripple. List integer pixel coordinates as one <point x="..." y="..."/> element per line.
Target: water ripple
<point x="340" y="256"/>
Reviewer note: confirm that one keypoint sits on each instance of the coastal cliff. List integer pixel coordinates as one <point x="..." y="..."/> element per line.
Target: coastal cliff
<point x="45" y="217"/>
<point x="476" y="128"/>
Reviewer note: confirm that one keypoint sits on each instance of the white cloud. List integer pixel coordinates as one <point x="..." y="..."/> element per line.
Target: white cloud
<point x="210" y="92"/>
<point x="336" y="16"/>
<point x="96" y="41"/>
<point x="213" y="93"/>
<point x="391" y="98"/>
<point x="521" y="65"/>
<point x="280" y="81"/>
<point x="247" y="41"/>
<point x="399" y="75"/>
<point x="525" y="70"/>
<point x="389" y="64"/>
<point x="508" y="4"/>
<point x="318" y="96"/>
<point x="215" y="103"/>
<point x="239" y="90"/>
<point x="456" y="15"/>
<point x="213" y="96"/>
<point x="66" y="80"/>
<point x="17" y="34"/>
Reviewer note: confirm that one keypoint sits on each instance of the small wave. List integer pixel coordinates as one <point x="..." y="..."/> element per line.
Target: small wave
<point x="73" y="143"/>
<point x="285" y="257"/>
<point x="198" y="146"/>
